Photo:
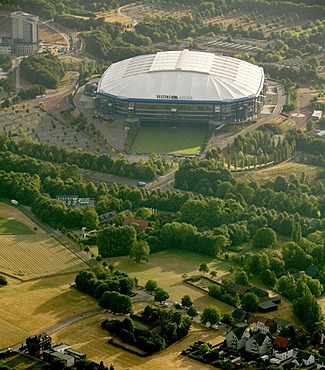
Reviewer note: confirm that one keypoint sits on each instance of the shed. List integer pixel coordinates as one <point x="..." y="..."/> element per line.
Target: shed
<point x="267" y="306"/>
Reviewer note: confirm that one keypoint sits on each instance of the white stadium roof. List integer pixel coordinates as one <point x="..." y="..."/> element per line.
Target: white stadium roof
<point x="182" y="76"/>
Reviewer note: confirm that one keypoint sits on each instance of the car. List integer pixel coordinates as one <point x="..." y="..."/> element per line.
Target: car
<point x="164" y="304"/>
<point x="215" y="327"/>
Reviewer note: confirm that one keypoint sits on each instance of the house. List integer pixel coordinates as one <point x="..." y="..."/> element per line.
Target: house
<point x="141" y="224"/>
<point x="282" y="324"/>
<point x="304" y="359"/>
<point x="281" y="349"/>
<point x="267" y="306"/>
<point x="264" y="325"/>
<point x="237" y="337"/>
<point x="259" y="344"/>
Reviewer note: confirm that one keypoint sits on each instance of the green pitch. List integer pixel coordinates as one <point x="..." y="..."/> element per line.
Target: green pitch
<point x="169" y="140"/>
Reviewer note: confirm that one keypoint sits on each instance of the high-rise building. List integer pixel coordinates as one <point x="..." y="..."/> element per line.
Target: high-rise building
<point x="25" y="32"/>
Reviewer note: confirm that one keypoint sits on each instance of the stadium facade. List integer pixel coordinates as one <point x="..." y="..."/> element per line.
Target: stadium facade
<point x="182" y="86"/>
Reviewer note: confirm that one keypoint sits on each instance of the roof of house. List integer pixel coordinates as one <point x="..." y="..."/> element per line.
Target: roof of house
<point x="282" y="323"/>
<point x="281" y="342"/>
<point x="261" y="319"/>
<point x="259" y="338"/>
<point x="239" y="331"/>
<point x="143" y="224"/>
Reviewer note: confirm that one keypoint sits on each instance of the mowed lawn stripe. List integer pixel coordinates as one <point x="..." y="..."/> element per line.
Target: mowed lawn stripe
<point x="168" y="140"/>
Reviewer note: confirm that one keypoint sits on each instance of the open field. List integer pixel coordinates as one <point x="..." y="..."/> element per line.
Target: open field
<point x="48" y="34"/>
<point x="12" y="213"/>
<point x="169" y="140"/>
<point x="30" y="256"/>
<point x="87" y="336"/>
<point x="168" y="267"/>
<point x="282" y="169"/>
<point x="30" y="307"/>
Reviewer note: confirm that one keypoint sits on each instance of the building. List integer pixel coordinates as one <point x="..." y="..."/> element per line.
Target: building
<point x="264" y="325"/>
<point x="25" y="32"/>
<point x="267" y="306"/>
<point x="38" y="343"/>
<point x="237" y="338"/>
<point x="182" y="86"/>
<point x="6" y="45"/>
<point x="259" y="344"/>
<point x="304" y="359"/>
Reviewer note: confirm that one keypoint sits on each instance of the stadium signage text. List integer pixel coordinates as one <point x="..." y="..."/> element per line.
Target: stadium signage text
<point x="183" y="97"/>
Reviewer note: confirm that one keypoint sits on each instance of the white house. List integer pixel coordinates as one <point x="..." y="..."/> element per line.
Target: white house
<point x="237" y="338"/>
<point x="259" y="344"/>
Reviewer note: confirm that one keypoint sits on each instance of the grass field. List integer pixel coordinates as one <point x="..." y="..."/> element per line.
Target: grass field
<point x="282" y="169"/>
<point x="169" y="140"/>
<point x="31" y="256"/>
<point x="31" y="307"/>
<point x="14" y="227"/>
<point x="22" y="361"/>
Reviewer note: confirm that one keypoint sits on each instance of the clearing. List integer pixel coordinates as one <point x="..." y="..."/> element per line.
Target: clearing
<point x="169" y="140"/>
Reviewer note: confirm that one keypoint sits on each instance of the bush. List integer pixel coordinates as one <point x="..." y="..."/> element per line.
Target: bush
<point x="3" y="280"/>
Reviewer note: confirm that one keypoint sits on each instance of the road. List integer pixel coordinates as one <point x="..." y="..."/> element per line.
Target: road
<point x="141" y="296"/>
<point x="58" y="236"/>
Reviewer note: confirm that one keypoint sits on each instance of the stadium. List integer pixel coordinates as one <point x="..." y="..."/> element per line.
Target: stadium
<point x="182" y="86"/>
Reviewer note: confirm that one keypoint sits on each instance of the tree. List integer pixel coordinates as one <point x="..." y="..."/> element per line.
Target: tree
<point x="187" y="301"/>
<point x="90" y="219"/>
<point x="211" y="315"/>
<point x="192" y="312"/>
<point x="264" y="237"/>
<point x="151" y="286"/>
<point x="204" y="268"/>
<point x="250" y="302"/>
<point x="241" y="278"/>
<point x="140" y="251"/>
<point x="161" y="295"/>
<point x="116" y="302"/>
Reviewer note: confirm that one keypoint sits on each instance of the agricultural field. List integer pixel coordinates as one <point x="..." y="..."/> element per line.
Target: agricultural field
<point x="169" y="140"/>
<point x="30" y="256"/>
<point x="33" y="306"/>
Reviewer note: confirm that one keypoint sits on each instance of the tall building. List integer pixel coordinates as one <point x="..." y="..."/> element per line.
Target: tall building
<point x="25" y="32"/>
